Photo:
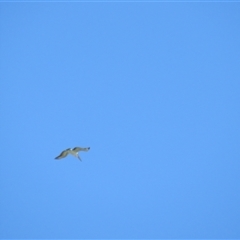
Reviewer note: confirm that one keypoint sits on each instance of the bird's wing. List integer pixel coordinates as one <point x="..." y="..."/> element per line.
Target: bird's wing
<point x="77" y="149"/>
<point x="63" y="154"/>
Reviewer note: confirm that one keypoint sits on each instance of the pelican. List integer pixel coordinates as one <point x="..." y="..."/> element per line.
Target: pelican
<point x="73" y="151"/>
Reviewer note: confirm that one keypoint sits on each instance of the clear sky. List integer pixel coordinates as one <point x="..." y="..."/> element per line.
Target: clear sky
<point x="152" y="88"/>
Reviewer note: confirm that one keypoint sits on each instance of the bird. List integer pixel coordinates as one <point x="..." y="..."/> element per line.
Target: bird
<point x="73" y="151"/>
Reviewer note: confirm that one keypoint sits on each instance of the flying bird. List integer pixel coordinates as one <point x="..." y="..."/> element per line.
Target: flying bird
<point x="73" y="151"/>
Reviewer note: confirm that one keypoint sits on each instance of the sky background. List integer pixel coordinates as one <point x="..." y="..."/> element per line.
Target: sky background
<point x="152" y="88"/>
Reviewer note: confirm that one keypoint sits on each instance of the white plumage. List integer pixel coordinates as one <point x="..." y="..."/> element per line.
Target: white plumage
<point x="73" y="151"/>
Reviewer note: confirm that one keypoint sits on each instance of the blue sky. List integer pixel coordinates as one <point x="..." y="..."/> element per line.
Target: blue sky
<point x="152" y="88"/>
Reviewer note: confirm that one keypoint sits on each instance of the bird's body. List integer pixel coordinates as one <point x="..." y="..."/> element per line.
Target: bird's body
<point x="73" y="151"/>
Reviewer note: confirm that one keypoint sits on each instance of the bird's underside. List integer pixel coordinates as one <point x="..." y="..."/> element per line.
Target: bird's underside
<point x="73" y="151"/>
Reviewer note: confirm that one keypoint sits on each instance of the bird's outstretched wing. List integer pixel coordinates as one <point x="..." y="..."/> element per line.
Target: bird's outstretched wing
<point x="63" y="154"/>
<point x="77" y="149"/>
